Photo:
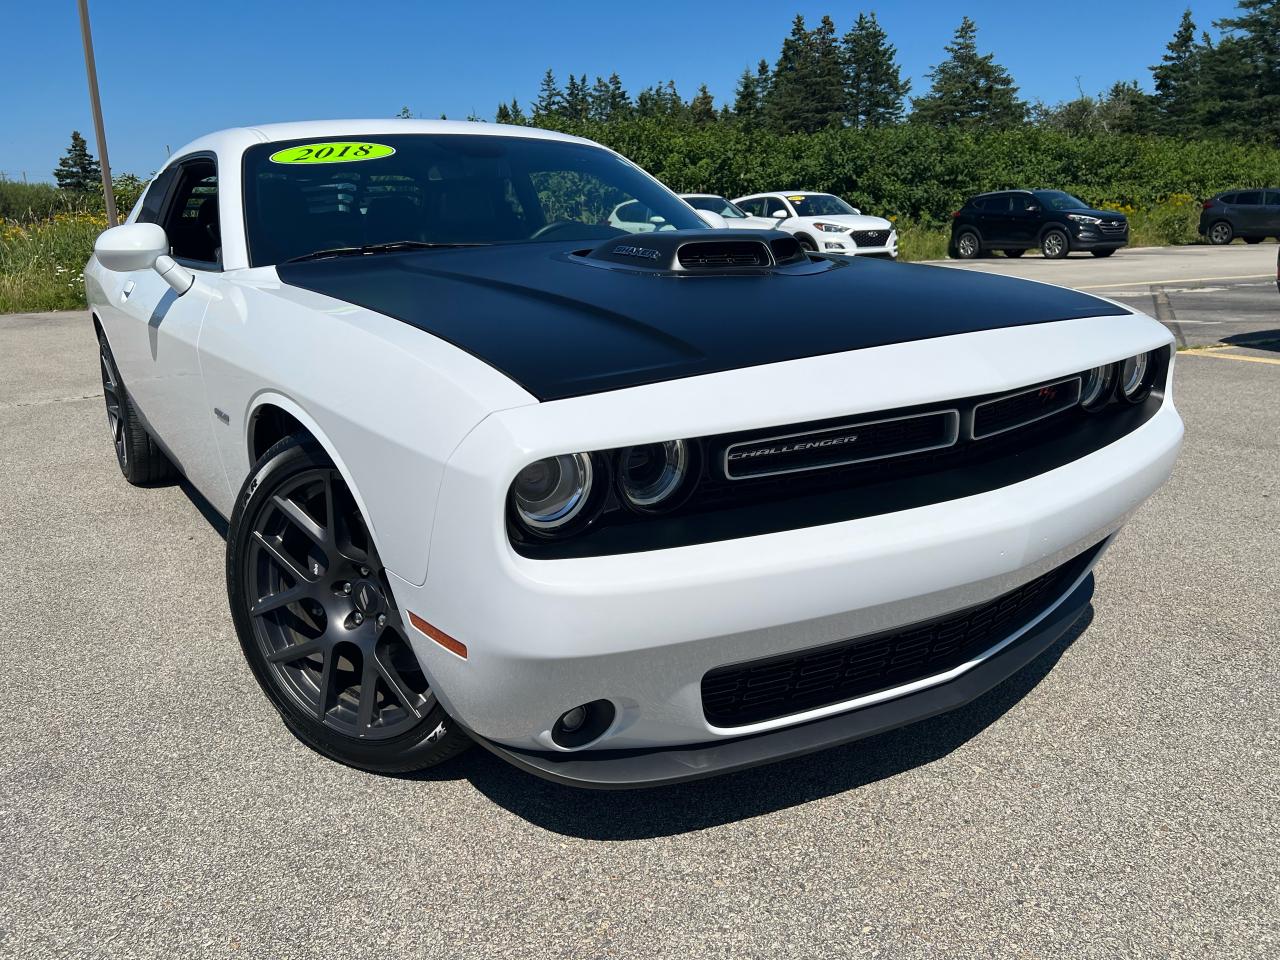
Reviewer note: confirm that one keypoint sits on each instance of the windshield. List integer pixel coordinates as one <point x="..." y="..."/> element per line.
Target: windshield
<point x="305" y="196"/>
<point x="1057" y="200"/>
<point x="716" y="205"/>
<point x="819" y="205"/>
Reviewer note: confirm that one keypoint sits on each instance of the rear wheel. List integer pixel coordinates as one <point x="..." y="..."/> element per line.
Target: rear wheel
<point x="140" y="460"/>
<point x="1054" y="245"/>
<point x="968" y="245"/>
<point x="1102" y="253"/>
<point x="318" y="623"/>
<point x="1221" y="233"/>
<point x="1014" y="254"/>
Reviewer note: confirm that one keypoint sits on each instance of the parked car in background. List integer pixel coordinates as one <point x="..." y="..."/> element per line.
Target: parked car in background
<point x="824" y="223"/>
<point x="1251" y="215"/>
<point x="1016" y="221"/>
<point x="736" y="217"/>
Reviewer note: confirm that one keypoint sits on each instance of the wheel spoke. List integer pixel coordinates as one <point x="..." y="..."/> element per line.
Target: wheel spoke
<point x="284" y="560"/>
<point x="368" y="692"/>
<point x="321" y="536"/>
<point x="280" y="599"/>
<point x="395" y="683"/>
<point x="298" y="651"/>
<point x="325" y="687"/>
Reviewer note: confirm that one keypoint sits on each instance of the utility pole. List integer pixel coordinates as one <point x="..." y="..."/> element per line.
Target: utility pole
<point x="92" y="71"/>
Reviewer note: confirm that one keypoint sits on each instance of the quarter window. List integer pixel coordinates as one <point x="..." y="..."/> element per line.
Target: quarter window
<point x="1250" y="198"/>
<point x="192" y="219"/>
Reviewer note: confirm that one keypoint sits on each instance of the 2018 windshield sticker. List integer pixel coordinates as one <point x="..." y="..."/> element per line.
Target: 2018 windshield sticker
<point x="341" y="151"/>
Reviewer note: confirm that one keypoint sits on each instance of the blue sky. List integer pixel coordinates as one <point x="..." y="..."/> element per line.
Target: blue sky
<point x="172" y="71"/>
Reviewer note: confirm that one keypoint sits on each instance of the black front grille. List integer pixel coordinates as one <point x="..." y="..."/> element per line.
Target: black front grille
<point x="855" y="442"/>
<point x="708" y="256"/>
<point x="870" y="238"/>
<point x="759" y="690"/>
<point x="1028" y="406"/>
<point x="1114" y="228"/>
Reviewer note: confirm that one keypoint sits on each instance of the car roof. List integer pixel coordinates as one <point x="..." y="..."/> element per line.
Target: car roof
<point x="238" y="139"/>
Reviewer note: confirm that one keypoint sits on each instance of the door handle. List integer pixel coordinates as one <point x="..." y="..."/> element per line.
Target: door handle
<point x="128" y="289"/>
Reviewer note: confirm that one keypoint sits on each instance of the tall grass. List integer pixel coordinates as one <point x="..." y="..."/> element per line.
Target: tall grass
<point x="41" y="261"/>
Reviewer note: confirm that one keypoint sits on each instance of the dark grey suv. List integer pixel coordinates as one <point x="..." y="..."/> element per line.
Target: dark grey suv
<point x="1252" y="215"/>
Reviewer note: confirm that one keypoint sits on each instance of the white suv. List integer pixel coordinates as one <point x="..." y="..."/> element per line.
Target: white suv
<point x="824" y="223"/>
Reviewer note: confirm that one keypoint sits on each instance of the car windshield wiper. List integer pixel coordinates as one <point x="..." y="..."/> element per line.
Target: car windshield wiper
<point x="369" y="248"/>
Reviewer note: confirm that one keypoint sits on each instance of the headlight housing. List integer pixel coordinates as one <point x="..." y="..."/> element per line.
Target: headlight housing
<point x="831" y="228"/>
<point x="1081" y="218"/>
<point x="1097" y="387"/>
<point x="1137" y="376"/>
<point x="650" y="475"/>
<point x="549" y="494"/>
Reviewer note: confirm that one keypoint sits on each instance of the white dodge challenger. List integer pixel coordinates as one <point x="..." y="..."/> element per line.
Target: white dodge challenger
<point x="624" y="508"/>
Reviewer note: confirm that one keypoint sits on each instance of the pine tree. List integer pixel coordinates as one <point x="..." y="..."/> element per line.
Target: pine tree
<point x="503" y="115"/>
<point x="1256" y="34"/>
<point x="619" y="101"/>
<point x="78" y="171"/>
<point x="702" y="108"/>
<point x="517" y="115"/>
<point x="806" y="90"/>
<point x="577" y="99"/>
<point x="598" y="110"/>
<point x="746" y="100"/>
<point x="873" y="80"/>
<point x="404" y="114"/>
<point x="1177" y="80"/>
<point x="969" y="90"/>
<point x="1127" y="108"/>
<point x="550" y="100"/>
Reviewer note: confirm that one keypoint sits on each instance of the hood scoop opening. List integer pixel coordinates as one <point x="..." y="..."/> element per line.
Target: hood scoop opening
<point x="701" y="251"/>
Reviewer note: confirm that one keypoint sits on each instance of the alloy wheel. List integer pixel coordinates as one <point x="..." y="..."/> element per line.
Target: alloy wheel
<point x="1053" y="245"/>
<point x="113" y="395"/>
<point x="968" y="245"/>
<point x="323" y="616"/>
<point x="1220" y="233"/>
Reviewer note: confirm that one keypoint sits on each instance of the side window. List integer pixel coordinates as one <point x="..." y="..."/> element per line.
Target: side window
<point x="191" y="222"/>
<point x="1227" y="198"/>
<point x="153" y="200"/>
<point x="978" y="204"/>
<point x="1022" y="202"/>
<point x="755" y="206"/>
<point x="1273" y="198"/>
<point x="997" y="204"/>
<point x="1250" y="198"/>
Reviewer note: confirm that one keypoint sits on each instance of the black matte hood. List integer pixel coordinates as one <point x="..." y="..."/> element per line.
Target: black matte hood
<point x="563" y="326"/>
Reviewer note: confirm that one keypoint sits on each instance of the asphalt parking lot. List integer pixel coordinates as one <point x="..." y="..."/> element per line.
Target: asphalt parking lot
<point x="1120" y="798"/>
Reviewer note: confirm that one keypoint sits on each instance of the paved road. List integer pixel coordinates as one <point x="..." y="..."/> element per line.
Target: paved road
<point x="1119" y="799"/>
<point x="1204" y="294"/>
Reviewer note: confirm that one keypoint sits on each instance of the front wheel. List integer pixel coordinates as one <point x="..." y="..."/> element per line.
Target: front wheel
<point x="1054" y="245"/>
<point x="1102" y="253"/>
<point x="968" y="246"/>
<point x="318" y="623"/>
<point x="1221" y="233"/>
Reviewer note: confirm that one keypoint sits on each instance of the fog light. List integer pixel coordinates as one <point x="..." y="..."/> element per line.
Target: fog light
<point x="573" y="720"/>
<point x="583" y="724"/>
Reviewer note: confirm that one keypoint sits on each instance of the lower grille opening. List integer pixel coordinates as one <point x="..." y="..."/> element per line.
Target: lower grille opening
<point x="774" y="687"/>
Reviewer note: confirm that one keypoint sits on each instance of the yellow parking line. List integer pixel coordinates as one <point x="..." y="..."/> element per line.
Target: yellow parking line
<point x="1172" y="282"/>
<point x="1226" y="356"/>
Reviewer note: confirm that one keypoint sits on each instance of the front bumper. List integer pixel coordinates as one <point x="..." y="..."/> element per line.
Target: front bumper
<point x="625" y="769"/>
<point x="1089" y="237"/>
<point x="641" y="629"/>
<point x="842" y="245"/>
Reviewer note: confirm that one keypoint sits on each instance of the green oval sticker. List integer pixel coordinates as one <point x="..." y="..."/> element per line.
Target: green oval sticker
<point x="339" y="151"/>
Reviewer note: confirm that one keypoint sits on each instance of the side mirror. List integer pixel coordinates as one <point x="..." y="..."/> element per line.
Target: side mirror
<point x="141" y="246"/>
<point x="712" y="219"/>
<point x="134" y="246"/>
<point x="779" y="214"/>
<point x="857" y="211"/>
<point x="1033" y="208"/>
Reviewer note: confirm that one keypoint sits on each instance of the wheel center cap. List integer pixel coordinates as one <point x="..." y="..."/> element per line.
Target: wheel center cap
<point x="367" y="597"/>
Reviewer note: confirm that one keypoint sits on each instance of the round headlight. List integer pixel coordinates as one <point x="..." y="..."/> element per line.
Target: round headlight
<point x="551" y="492"/>
<point x="650" y="474"/>
<point x="1133" y="378"/>
<point x="1095" y="391"/>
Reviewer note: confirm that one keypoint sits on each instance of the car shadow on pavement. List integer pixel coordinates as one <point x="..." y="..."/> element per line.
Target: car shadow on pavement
<point x="697" y="805"/>
<point x="1256" y="340"/>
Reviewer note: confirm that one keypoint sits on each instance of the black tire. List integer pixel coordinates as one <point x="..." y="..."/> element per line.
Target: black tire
<point x="140" y="459"/>
<point x="968" y="245"/>
<point x="1054" y="244"/>
<point x="1252" y="239"/>
<point x="806" y="243"/>
<point x="1221" y="233"/>
<point x="1014" y="254"/>
<point x="318" y="624"/>
<point x="1102" y="253"/>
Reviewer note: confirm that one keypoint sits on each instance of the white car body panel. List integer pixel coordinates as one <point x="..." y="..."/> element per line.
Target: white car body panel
<point x="429" y="439"/>
<point x="736" y="223"/>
